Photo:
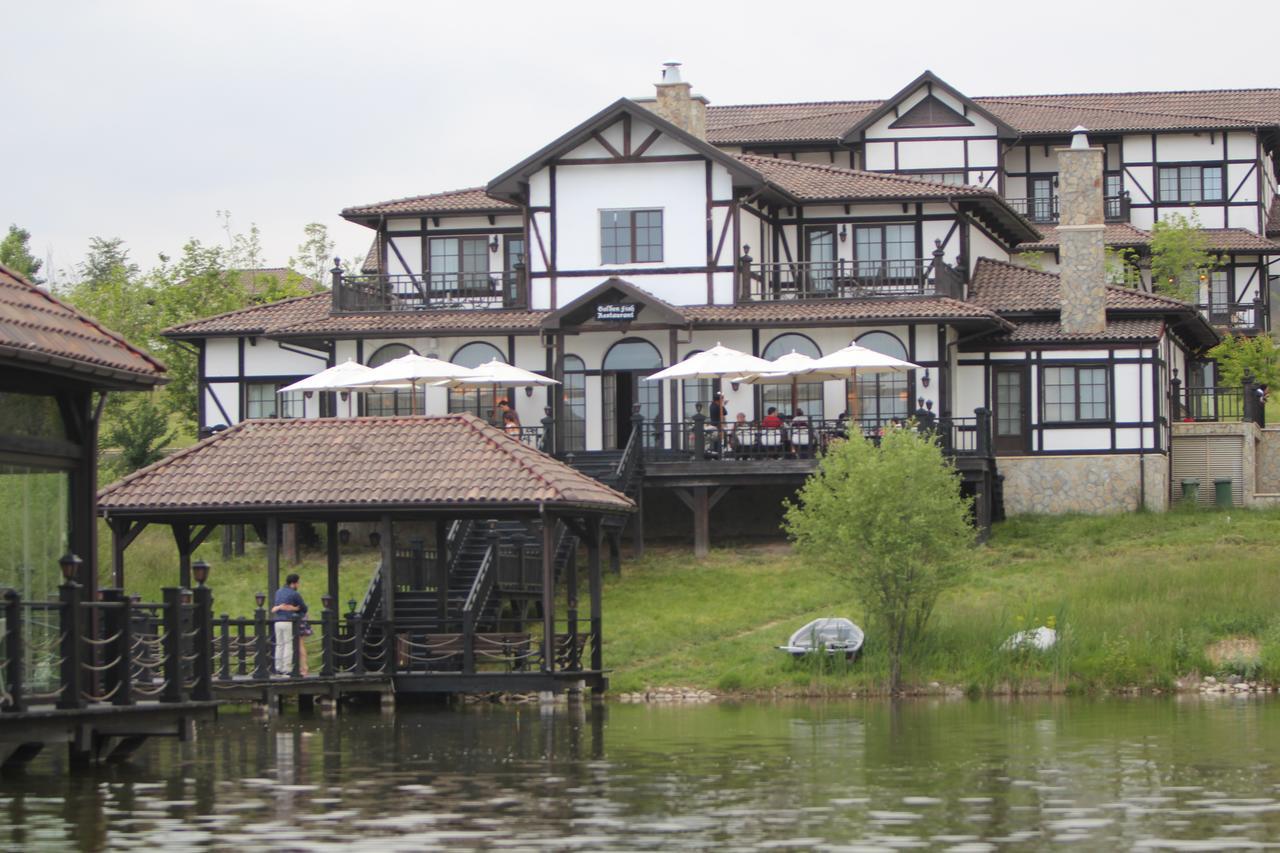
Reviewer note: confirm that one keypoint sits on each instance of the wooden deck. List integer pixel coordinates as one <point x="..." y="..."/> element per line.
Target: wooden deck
<point x="98" y="733"/>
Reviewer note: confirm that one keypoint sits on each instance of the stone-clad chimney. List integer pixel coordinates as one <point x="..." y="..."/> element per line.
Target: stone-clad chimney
<point x="1080" y="236"/>
<point x="675" y="103"/>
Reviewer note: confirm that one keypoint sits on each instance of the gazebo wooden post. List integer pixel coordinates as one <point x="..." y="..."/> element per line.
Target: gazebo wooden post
<point x="335" y="559"/>
<point x="123" y="532"/>
<point x="273" y="558"/>
<point x="442" y="571"/>
<point x="571" y="610"/>
<point x="182" y="538"/>
<point x="548" y="592"/>
<point x="615" y="552"/>
<point x="593" y="585"/>
<point x="388" y="568"/>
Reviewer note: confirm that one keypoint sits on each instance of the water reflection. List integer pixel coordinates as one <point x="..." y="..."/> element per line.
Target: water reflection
<point x="1152" y="774"/>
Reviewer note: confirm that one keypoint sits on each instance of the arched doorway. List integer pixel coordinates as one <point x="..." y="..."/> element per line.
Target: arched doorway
<point x="882" y="397"/>
<point x="480" y="400"/>
<point x="393" y="402"/>
<point x="625" y="364"/>
<point x="786" y="396"/>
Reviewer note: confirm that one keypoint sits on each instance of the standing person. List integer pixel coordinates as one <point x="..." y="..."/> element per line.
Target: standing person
<point x="289" y="613"/>
<point x="718" y="413"/>
<point x="510" y="425"/>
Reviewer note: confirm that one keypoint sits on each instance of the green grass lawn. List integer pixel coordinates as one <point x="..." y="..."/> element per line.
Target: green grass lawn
<point x="1136" y="599"/>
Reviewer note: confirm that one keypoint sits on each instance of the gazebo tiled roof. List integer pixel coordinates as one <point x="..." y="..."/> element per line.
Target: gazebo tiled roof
<point x="356" y="465"/>
<point x="40" y="330"/>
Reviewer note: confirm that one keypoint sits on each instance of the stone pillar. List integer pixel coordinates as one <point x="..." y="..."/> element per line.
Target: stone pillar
<point x="1080" y="234"/>
<point x="677" y="105"/>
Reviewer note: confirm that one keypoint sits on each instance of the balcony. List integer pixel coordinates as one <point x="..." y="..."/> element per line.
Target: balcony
<point x="847" y="279"/>
<point x="354" y="294"/>
<point x="1044" y="211"/>
<point x="1242" y="317"/>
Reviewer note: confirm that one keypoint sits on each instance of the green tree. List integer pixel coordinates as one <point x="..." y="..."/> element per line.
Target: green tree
<point x="15" y="253"/>
<point x="1258" y="355"/>
<point x="315" y="253"/>
<point x="140" y="429"/>
<point x="1180" y="257"/>
<point x="106" y="258"/>
<point x="889" y="519"/>
<point x="1122" y="267"/>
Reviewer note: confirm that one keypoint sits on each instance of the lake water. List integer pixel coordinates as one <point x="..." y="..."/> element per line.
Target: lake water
<point x="1094" y="774"/>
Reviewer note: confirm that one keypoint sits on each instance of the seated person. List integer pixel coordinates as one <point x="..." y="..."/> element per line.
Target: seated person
<point x="510" y="425"/>
<point x="740" y="437"/>
<point x="771" y="419"/>
<point x="798" y="419"/>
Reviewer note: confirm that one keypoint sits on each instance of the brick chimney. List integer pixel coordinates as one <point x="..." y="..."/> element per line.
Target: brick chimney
<point x="1083" y="291"/>
<point x="675" y="103"/>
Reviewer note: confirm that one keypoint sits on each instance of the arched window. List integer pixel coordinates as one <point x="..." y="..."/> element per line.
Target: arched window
<point x="695" y="391"/>
<point x="882" y="397"/>
<point x="479" y="400"/>
<point x="633" y="354"/>
<point x="622" y="387"/>
<point x="575" y="403"/>
<point x="393" y="402"/>
<point x="807" y="395"/>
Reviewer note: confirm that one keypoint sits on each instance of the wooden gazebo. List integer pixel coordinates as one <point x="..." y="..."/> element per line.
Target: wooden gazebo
<point x="455" y="471"/>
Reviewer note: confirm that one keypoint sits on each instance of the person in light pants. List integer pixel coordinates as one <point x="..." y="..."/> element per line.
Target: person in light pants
<point x="288" y="610"/>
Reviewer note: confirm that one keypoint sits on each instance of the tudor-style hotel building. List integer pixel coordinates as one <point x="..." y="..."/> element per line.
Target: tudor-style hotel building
<point x="769" y="228"/>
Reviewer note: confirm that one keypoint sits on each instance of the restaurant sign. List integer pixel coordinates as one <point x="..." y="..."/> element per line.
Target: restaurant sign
<point x="616" y="312"/>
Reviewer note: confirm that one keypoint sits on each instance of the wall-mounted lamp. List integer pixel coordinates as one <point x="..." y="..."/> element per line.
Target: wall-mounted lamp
<point x="844" y="233"/>
<point x="344" y="396"/>
<point x="924" y="380"/>
<point x="307" y="395"/>
<point x="734" y="385"/>
<point x="493" y="243"/>
<point x="528" y="390"/>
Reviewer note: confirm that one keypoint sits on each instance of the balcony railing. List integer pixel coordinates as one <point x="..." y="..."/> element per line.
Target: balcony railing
<point x="1115" y="208"/>
<point x="410" y="292"/>
<point x="1220" y="403"/>
<point x="1236" y="316"/>
<point x="846" y="279"/>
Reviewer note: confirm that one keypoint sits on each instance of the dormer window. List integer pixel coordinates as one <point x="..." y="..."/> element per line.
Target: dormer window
<point x="630" y="236"/>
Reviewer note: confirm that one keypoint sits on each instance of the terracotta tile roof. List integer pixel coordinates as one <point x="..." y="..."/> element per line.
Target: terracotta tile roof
<point x="470" y="200"/>
<point x="257" y="320"/>
<point x="1006" y="287"/>
<point x="38" y="328"/>
<point x="1273" y="217"/>
<point x="812" y="122"/>
<point x="1120" y="330"/>
<point x="1030" y="114"/>
<point x="360" y="463"/>
<point x="415" y="322"/>
<point x="811" y="311"/>
<point x="1120" y="234"/>
<point x="371" y="259"/>
<point x="816" y="182"/>
<point x="1238" y="240"/>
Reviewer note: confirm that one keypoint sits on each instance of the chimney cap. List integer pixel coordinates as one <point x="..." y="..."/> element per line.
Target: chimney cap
<point x="671" y="72"/>
<point x="1079" y="136"/>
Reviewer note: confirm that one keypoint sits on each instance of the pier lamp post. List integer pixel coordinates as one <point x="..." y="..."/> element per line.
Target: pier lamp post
<point x="70" y="565"/>
<point x="200" y="571"/>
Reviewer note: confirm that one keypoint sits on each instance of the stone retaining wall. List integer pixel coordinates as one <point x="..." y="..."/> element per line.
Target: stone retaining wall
<point x="1096" y="485"/>
<point x="1268" y="456"/>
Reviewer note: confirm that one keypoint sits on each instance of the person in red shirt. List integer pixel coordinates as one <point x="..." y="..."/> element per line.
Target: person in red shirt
<point x="771" y="419"/>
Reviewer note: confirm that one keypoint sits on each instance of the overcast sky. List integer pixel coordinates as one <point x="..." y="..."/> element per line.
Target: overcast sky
<point x="142" y="119"/>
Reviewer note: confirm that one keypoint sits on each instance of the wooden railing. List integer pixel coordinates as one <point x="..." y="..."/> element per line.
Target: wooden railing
<point x="1115" y="208"/>
<point x="1236" y="316"/>
<point x="1223" y="404"/>
<point x="747" y="441"/>
<point x="416" y="292"/>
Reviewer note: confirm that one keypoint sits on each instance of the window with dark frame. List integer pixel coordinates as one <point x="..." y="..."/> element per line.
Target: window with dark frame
<point x="459" y="264"/>
<point x="1190" y="183"/>
<point x="263" y="400"/>
<point x="950" y="177"/>
<point x="895" y="244"/>
<point x="1075" y="394"/>
<point x="630" y="236"/>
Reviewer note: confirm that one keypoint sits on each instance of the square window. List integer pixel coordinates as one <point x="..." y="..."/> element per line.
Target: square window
<point x="630" y="236"/>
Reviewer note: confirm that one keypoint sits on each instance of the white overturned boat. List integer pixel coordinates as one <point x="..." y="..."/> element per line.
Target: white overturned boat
<point x="831" y="634"/>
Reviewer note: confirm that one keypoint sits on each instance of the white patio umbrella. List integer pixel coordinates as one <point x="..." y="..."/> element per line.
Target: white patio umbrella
<point x="409" y="371"/>
<point x="846" y="363"/>
<point x="334" y="378"/>
<point x="497" y="372"/>
<point x="715" y="363"/>
<point x="785" y="367"/>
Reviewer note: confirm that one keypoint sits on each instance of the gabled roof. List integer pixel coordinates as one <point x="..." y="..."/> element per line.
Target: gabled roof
<point x="1011" y="289"/>
<point x="928" y="78"/>
<point x="1028" y="296"/>
<point x="471" y="200"/>
<point x="361" y="465"/>
<point x="507" y="184"/>
<point x="832" y="122"/>
<point x="1125" y="236"/>
<point x="808" y="182"/>
<point x="1273" y="217"/>
<point x="615" y="291"/>
<point x="38" y="331"/>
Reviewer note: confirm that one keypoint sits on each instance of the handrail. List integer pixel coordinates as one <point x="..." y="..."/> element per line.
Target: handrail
<point x="483" y="583"/>
<point x="627" y="463"/>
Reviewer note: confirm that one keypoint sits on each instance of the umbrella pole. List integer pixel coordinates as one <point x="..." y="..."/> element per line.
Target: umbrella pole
<point x="795" y="396"/>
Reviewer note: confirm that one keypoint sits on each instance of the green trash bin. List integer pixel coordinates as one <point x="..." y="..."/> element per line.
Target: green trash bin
<point x="1190" y="490"/>
<point x="1222" y="492"/>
